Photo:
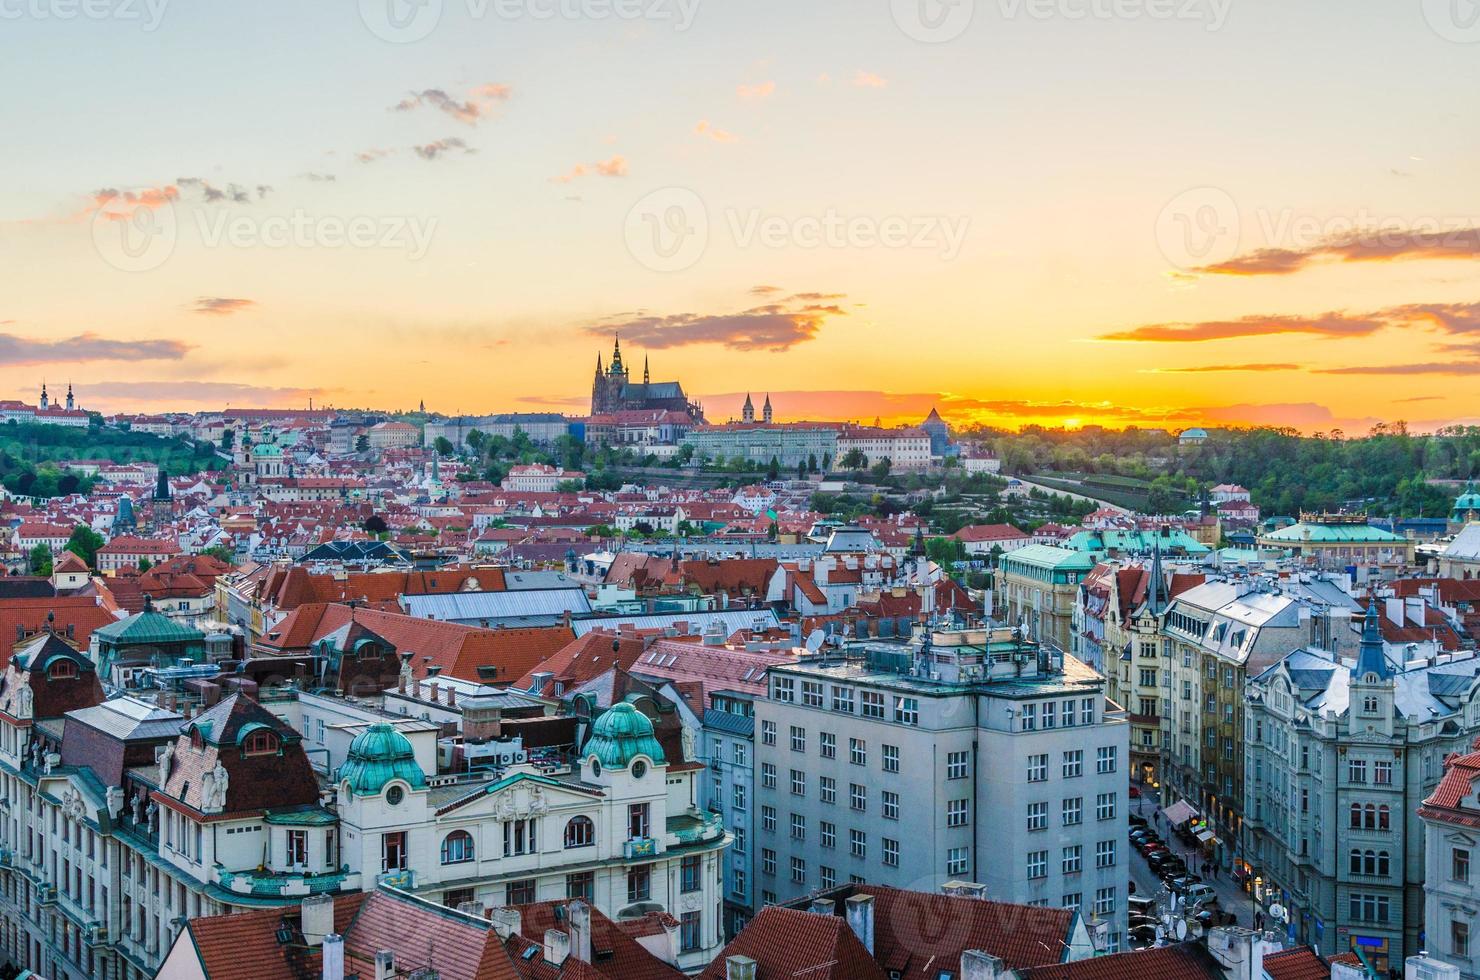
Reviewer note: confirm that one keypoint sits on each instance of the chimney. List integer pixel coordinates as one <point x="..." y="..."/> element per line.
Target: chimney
<point x="333" y="957"/>
<point x="507" y="921"/>
<point x="671" y="932"/>
<point x="451" y="696"/>
<point x="976" y="965"/>
<point x="823" y="906"/>
<point x="318" y="918"/>
<point x="860" y="913"/>
<point x="557" y="946"/>
<point x="739" y="968"/>
<point x="385" y="965"/>
<point x="580" y="930"/>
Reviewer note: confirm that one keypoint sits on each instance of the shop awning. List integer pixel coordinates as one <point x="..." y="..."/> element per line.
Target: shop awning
<point x="1179" y="813"/>
<point x="1206" y="835"/>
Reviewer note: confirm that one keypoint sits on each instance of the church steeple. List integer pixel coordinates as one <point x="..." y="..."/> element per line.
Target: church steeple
<point x="1370" y="656"/>
<point x="766" y="411"/>
<point x="45" y="399"/>
<point x="71" y="403"/>
<point x="747" y="412"/>
<point x="644" y="369"/>
<point x="616" y="368"/>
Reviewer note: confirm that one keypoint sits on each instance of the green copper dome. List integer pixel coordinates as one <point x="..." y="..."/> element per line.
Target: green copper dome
<point x="1468" y="503"/>
<point x="378" y="755"/>
<point x="621" y="734"/>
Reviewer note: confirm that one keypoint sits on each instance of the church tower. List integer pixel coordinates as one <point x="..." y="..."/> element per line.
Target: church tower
<point x="71" y="402"/>
<point x="766" y="411"/>
<point x="45" y="398"/>
<point x="747" y="413"/>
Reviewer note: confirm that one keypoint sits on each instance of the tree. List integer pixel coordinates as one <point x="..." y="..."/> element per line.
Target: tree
<point x="228" y="440"/>
<point x="144" y="565"/>
<point x="812" y="462"/>
<point x="84" y="543"/>
<point x="801" y="470"/>
<point x="943" y="551"/>
<point x="40" y="560"/>
<point x="773" y="469"/>
<point x="362" y="443"/>
<point x="854" y="460"/>
<point x="221" y="552"/>
<point x="880" y="470"/>
<point x="443" y="446"/>
<point x="476" y="441"/>
<point x="376" y="524"/>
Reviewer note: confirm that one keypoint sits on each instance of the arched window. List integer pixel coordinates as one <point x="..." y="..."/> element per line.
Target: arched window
<point x="1356" y="816"/>
<point x="62" y="670"/>
<point x="580" y="832"/>
<point x="1356" y="861"/>
<point x="197" y="741"/>
<point x="457" y="847"/>
<point x="1384" y="817"/>
<point x="1384" y="863"/>
<point x="260" y="742"/>
<point x="1369" y="817"/>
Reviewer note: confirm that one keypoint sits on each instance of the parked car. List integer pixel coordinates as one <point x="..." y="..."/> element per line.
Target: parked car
<point x="1136" y="820"/>
<point x="1211" y="918"/>
<point x="1142" y="937"/>
<point x="1182" y="882"/>
<point x="1201" y="894"/>
<point x="1143" y="920"/>
<point x="1135" y="792"/>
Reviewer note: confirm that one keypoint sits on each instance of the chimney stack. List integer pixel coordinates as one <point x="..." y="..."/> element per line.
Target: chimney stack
<point x="860" y="912"/>
<point x="823" y="906"/>
<point x="739" y="968"/>
<point x="976" y="965"/>
<point x="318" y="918"/>
<point x="557" y="946"/>
<point x="385" y="965"/>
<point x="507" y="921"/>
<point x="333" y="957"/>
<point x="580" y="930"/>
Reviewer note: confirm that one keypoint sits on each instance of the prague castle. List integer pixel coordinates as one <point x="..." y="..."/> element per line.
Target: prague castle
<point x="613" y="391"/>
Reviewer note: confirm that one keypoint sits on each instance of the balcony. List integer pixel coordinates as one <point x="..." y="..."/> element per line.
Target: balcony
<point x="696" y="827"/>
<point x="270" y="884"/>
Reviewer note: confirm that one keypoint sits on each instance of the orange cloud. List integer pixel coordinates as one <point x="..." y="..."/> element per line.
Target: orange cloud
<point x="221" y="305"/>
<point x="1326" y="325"/>
<point x="470" y="111"/>
<point x="760" y="90"/>
<point x="1230" y="368"/>
<point x="615" y="166"/>
<point x="1389" y="245"/>
<point x="774" y="327"/>
<point x="718" y="135"/>
<point x="867" y="79"/>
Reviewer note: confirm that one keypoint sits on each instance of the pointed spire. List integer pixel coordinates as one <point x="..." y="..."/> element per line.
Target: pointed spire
<point x="644" y="369"/>
<point x="1153" y="589"/>
<point x="1371" y="659"/>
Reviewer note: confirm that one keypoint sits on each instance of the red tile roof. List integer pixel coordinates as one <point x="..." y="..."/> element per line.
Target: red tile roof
<point x="1297" y="963"/>
<point x="908" y="936"/>
<point x="244" y="946"/>
<point x="788" y="943"/>
<point x="616" y="954"/>
<point x="1186" y="961"/>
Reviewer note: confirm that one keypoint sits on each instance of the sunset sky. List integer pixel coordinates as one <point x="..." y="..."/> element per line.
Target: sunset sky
<point x="1151" y="212"/>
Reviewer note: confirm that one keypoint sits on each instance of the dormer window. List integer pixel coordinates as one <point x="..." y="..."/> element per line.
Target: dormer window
<point x="197" y="741"/>
<point x="260" y="743"/>
<point x="62" y="670"/>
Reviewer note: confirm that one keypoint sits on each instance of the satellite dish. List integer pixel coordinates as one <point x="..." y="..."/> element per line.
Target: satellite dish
<point x="1181" y="929"/>
<point x="1160" y="934"/>
<point x="815" y="640"/>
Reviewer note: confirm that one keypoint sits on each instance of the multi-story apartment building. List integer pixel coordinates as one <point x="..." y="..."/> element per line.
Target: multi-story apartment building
<point x="1216" y="636"/>
<point x="968" y="755"/>
<point x="1338" y="756"/>
<point x="1451" y="825"/>
<point x="1037" y="587"/>
<point x="729" y="745"/>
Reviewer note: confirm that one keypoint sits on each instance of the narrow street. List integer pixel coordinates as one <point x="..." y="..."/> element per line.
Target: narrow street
<point x="1231" y="898"/>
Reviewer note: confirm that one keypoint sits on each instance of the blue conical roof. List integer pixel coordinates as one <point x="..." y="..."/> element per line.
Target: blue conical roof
<point x="1370" y="656"/>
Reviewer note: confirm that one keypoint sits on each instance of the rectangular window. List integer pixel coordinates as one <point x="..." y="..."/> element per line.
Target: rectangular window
<point x="1356" y="770"/>
<point x="798" y="827"/>
<point x="1037" y="768"/>
<point x="1037" y="816"/>
<point x="768" y="775"/>
<point x="1037" y="864"/>
<point x="689" y="933"/>
<point x="842" y="699"/>
<point x="768" y="818"/>
<point x="1050" y="714"/>
<point x="1459" y="864"/>
<point x="799" y="870"/>
<point x="958" y="862"/>
<point x="1073" y="811"/>
<point x="891" y="758"/>
<point x="891" y="852"/>
<point x="740" y="754"/>
<point x="1105" y="854"/>
<point x="858" y="751"/>
<point x="857" y="796"/>
<point x="1086" y="711"/>
<point x="520" y="892"/>
<point x="783" y="689"/>
<point x="768" y="733"/>
<point x="812" y="694"/>
<point x="1382" y="773"/>
<point x="957" y="765"/>
<point x="1073" y="763"/>
<point x="1105" y="759"/>
<point x="828" y="833"/>
<point x="890" y="803"/>
<point x="827" y="745"/>
<point x="827" y="789"/>
<point x="581" y="884"/>
<point x="739" y="795"/>
<point x="1073" y="859"/>
<point x="688" y="873"/>
<point x="827" y="877"/>
<point x="638" y="824"/>
<point x="798" y="739"/>
<point x="1105" y="806"/>
<point x="1030" y="717"/>
<point x="1459" y="939"/>
<point x="798" y="783"/>
<point x="873" y="704"/>
<point x="393" y="851"/>
<point x="858" y="843"/>
<point x="1072" y="900"/>
<point x="768" y="861"/>
<point x="1105" y="901"/>
<point x="1068" y="714"/>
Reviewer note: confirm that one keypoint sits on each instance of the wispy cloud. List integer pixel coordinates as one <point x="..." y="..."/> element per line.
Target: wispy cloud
<point x="318" y="178"/>
<point x="18" y="351"/>
<point x="760" y="90"/>
<point x="1325" y="325"/>
<point x="1389" y="245"/>
<point x="709" y="131"/>
<point x="373" y="155"/>
<point x="233" y="193"/>
<point x="470" y="111"/>
<point x="221" y="305"/>
<point x="867" y="79"/>
<point x="216" y="393"/>
<point x="439" y="148"/>
<point x="613" y="166"/>
<point x="1224" y="368"/>
<point x="1451" y="368"/>
<point x="773" y="327"/>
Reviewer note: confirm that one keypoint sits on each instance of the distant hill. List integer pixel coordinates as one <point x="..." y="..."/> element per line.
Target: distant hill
<point x="32" y="454"/>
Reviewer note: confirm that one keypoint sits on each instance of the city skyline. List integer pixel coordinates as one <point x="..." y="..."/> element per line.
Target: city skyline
<point x="461" y="205"/>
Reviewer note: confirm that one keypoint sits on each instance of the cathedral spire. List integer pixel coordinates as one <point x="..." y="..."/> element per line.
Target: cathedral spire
<point x="644" y="369"/>
<point x="747" y="411"/>
<point x="616" y="367"/>
<point x="766" y="411"/>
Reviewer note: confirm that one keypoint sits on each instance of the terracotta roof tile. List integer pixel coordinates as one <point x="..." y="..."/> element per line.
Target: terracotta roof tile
<point x="1185" y="961"/>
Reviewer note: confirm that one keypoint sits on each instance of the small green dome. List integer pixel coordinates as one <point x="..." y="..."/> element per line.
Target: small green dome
<point x="621" y="734"/>
<point x="1466" y="503"/>
<point x="378" y="755"/>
